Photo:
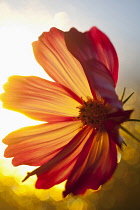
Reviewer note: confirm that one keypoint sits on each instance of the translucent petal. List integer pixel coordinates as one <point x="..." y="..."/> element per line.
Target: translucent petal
<point x="52" y="54"/>
<point x="95" y="165"/>
<point x="40" y="99"/>
<point x="99" y="61"/>
<point x="59" y="168"/>
<point x="93" y="44"/>
<point x="104" y="51"/>
<point x="35" y="145"/>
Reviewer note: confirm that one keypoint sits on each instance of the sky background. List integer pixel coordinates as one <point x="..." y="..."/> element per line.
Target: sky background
<point x="21" y="22"/>
<point x="118" y="19"/>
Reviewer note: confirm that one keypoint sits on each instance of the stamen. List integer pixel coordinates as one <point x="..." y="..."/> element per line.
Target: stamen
<point x="93" y="113"/>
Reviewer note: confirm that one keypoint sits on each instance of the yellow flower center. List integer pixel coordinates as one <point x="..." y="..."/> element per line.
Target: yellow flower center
<point x="93" y="113"/>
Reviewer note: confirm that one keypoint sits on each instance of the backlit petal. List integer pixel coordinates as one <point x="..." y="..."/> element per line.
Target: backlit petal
<point x="40" y="99"/>
<point x="100" y="71"/>
<point x="93" y="44"/>
<point x="36" y="145"/>
<point x="59" y="168"/>
<point x="104" y="51"/>
<point x="101" y="83"/>
<point x="52" y="54"/>
<point x="95" y="165"/>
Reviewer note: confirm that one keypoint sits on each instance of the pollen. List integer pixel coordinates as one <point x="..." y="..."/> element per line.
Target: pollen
<point x="93" y="113"/>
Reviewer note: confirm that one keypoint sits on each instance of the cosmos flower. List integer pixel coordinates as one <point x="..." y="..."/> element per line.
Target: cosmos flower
<point x="80" y="138"/>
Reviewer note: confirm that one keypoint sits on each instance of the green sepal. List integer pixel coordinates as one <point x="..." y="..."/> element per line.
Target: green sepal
<point x="129" y="133"/>
<point x="123" y="93"/>
<point x="124" y="143"/>
<point x="134" y="120"/>
<point x="128" y="98"/>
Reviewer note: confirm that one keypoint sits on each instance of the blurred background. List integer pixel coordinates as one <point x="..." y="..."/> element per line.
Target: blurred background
<point x="21" y="22"/>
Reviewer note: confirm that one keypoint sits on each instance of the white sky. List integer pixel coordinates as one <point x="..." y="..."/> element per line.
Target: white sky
<point x="118" y="19"/>
<point x="21" y="22"/>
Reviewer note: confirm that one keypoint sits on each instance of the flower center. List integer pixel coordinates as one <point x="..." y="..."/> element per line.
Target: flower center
<point x="93" y="113"/>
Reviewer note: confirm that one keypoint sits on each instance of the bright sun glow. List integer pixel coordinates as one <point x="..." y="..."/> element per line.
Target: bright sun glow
<point x="21" y="23"/>
<point x="17" y="58"/>
<point x="17" y="33"/>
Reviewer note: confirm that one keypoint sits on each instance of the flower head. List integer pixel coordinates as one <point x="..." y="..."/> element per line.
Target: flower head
<point x="79" y="142"/>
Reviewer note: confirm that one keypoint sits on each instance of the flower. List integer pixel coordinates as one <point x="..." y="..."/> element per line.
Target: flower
<point x="80" y="141"/>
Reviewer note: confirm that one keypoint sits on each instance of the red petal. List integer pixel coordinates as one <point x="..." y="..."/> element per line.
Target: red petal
<point x="93" y="44"/>
<point x="104" y="51"/>
<point x="119" y="116"/>
<point x="101" y="82"/>
<point x="35" y="145"/>
<point x="59" y="168"/>
<point x="95" y="165"/>
<point x="112" y="124"/>
<point x="101" y="79"/>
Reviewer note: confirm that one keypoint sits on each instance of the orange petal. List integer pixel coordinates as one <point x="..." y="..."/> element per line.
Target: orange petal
<point x="40" y="99"/>
<point x="95" y="165"/>
<point x="52" y="54"/>
<point x="59" y="167"/>
<point x="36" y="145"/>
